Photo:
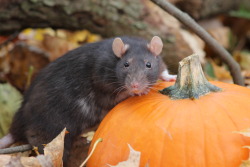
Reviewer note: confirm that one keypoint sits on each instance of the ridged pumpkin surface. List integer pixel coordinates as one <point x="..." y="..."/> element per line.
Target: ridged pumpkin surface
<point x="177" y="133"/>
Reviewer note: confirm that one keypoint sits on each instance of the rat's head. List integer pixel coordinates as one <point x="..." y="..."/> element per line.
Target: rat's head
<point x="138" y="67"/>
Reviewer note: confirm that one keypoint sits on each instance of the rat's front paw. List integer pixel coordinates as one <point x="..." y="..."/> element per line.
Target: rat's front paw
<point x="165" y="76"/>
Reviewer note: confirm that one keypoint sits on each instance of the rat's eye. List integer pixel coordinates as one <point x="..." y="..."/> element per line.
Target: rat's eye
<point x="126" y="64"/>
<point x="148" y="65"/>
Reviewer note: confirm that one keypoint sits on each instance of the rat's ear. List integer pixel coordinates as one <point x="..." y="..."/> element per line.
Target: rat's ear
<point x="119" y="48"/>
<point x="155" y="46"/>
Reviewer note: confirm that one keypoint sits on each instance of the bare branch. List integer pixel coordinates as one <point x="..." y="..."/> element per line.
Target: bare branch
<point x="16" y="149"/>
<point x="190" y="23"/>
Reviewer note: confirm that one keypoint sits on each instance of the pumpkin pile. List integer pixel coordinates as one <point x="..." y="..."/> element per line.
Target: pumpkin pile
<point x="191" y="123"/>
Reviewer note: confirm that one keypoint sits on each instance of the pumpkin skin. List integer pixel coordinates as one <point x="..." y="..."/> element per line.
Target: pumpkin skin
<point x="177" y="133"/>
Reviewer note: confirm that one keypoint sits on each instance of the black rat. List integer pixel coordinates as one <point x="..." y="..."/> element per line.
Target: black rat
<point x="79" y="88"/>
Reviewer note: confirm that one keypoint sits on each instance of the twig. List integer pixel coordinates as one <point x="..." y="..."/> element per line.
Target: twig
<point x="16" y="149"/>
<point x="189" y="22"/>
<point x="92" y="151"/>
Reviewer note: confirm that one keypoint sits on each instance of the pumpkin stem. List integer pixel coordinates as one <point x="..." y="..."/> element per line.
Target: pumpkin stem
<point x="191" y="82"/>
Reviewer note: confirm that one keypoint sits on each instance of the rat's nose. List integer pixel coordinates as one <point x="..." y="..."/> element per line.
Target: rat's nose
<point x="135" y="85"/>
<point x="135" y="88"/>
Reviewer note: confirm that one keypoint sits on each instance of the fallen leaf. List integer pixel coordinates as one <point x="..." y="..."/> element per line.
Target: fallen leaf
<point x="221" y="73"/>
<point x="245" y="132"/>
<point x="52" y="157"/>
<point x="10" y="99"/>
<point x="56" y="46"/>
<point x="217" y="30"/>
<point x="195" y="43"/>
<point x="242" y="11"/>
<point x="209" y="70"/>
<point x="45" y="161"/>
<point x="245" y="163"/>
<point x="221" y="34"/>
<point x="30" y="34"/>
<point x="21" y="58"/>
<point x="246" y="75"/>
<point x="215" y="72"/>
<point x="26" y="161"/>
<point x="56" y="42"/>
<point x="248" y="147"/>
<point x="93" y="38"/>
<point x="55" y="149"/>
<point x="243" y="58"/>
<point x="4" y="60"/>
<point x="77" y="36"/>
<point x="4" y="159"/>
<point x="132" y="161"/>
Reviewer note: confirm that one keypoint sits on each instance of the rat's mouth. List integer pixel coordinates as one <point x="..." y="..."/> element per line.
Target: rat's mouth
<point x="137" y="88"/>
<point x="139" y="92"/>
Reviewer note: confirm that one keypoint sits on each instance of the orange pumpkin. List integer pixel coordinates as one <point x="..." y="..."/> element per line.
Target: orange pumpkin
<point x="187" y="132"/>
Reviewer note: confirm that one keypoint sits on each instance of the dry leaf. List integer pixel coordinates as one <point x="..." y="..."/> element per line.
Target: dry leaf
<point x="221" y="35"/>
<point x="55" y="149"/>
<point x="27" y="161"/>
<point x="221" y="73"/>
<point x="56" y="42"/>
<point x="9" y="103"/>
<point x="217" y="31"/>
<point x="243" y="58"/>
<point x="132" y="161"/>
<point x="21" y="58"/>
<point x="93" y="38"/>
<point x="248" y="147"/>
<point x="245" y="132"/>
<point x="195" y="43"/>
<point x="4" y="60"/>
<point x="77" y="36"/>
<point x="246" y="75"/>
<point x="4" y="159"/>
<point x="56" y="46"/>
<point x="245" y="163"/>
<point x="53" y="153"/>
<point x="30" y="34"/>
<point x="156" y="15"/>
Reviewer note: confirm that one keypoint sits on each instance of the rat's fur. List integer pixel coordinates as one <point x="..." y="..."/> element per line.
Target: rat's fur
<point x="78" y="89"/>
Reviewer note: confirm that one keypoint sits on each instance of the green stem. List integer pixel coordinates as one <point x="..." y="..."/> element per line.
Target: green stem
<point x="191" y="82"/>
<point x="31" y="71"/>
